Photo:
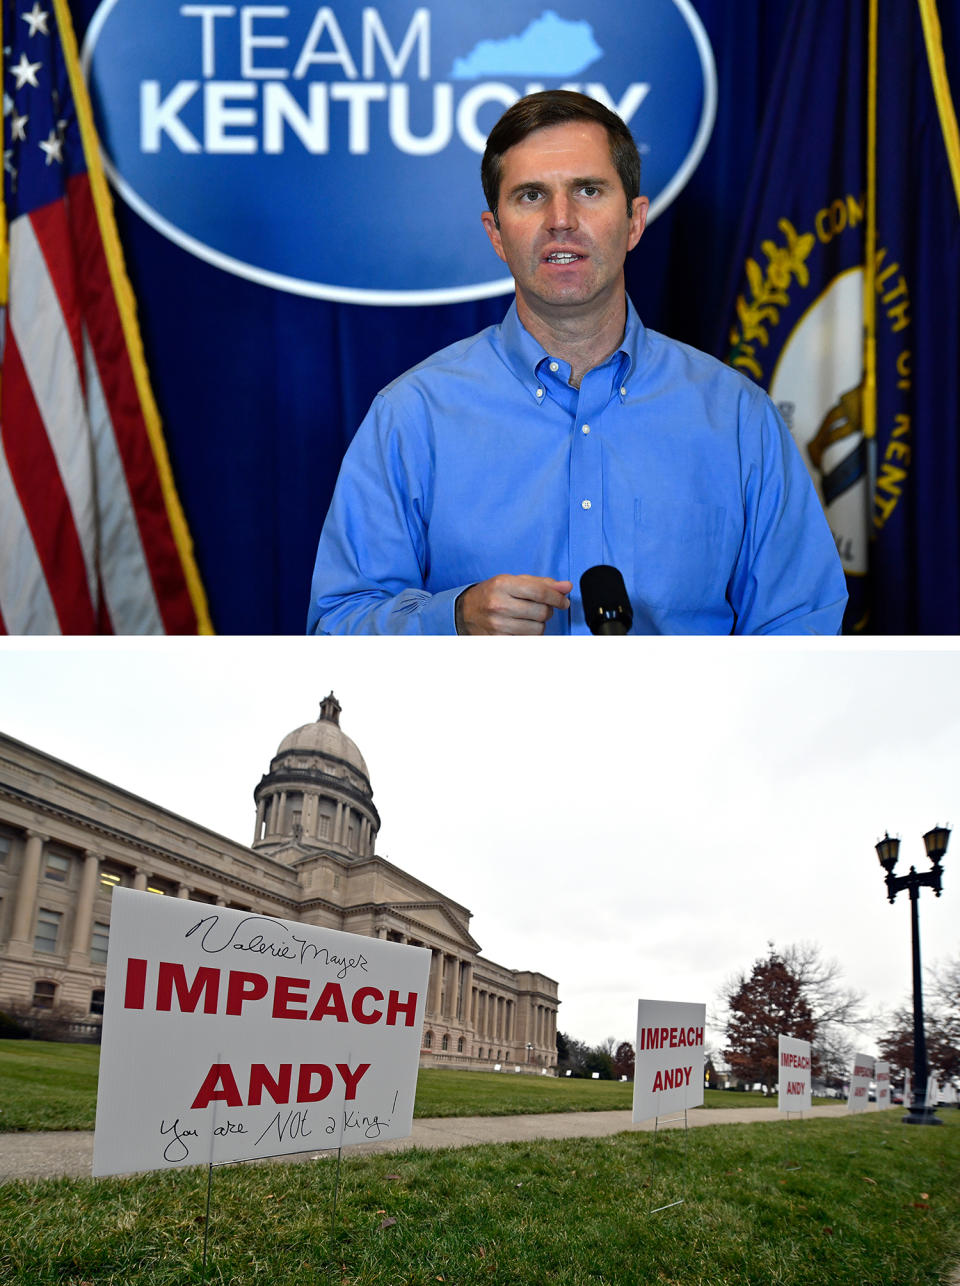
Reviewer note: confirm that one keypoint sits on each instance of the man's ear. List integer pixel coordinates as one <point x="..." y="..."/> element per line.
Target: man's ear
<point x="638" y="220"/>
<point x="493" y="232"/>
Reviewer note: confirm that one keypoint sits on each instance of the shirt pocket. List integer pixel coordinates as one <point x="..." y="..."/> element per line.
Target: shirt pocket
<point x="682" y="555"/>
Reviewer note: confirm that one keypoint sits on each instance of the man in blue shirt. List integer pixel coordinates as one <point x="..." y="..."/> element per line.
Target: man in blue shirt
<point x="485" y="481"/>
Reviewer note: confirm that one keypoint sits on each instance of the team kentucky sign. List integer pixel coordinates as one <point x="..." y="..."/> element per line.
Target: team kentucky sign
<point x="334" y="150"/>
<point x="229" y="1036"/>
<point x="668" y="1071"/>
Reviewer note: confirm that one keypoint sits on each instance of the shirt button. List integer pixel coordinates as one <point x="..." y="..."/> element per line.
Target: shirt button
<point x="623" y="390"/>
<point x="585" y="428"/>
<point x="539" y="392"/>
<point x="554" y="366"/>
<point x="585" y="504"/>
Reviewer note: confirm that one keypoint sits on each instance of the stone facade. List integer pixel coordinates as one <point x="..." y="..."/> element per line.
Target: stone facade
<point x="68" y="839"/>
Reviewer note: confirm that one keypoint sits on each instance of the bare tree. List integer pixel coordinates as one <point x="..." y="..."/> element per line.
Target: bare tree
<point x="763" y="1006"/>
<point x="896" y="1045"/>
<point x="944" y="991"/>
<point x="839" y="1012"/>
<point x="941" y="1024"/>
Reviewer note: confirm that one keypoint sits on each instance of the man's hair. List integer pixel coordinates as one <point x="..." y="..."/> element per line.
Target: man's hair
<point x="557" y="107"/>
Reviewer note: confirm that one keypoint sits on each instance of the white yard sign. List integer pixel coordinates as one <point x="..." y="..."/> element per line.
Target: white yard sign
<point x="794" y="1084"/>
<point x="882" y="1077"/>
<point x="668" y="1072"/>
<point x="859" y="1095"/>
<point x="229" y="1036"/>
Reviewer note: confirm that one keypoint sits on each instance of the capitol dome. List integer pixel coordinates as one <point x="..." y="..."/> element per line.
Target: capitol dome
<point x="317" y="795"/>
<point x="325" y="737"/>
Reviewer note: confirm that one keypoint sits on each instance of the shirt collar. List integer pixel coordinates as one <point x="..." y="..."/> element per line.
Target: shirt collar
<point x="524" y="354"/>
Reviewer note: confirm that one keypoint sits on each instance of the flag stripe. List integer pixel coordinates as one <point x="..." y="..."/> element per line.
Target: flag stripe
<point x="93" y="534"/>
<point x="33" y="468"/>
<point x="122" y="444"/>
<point x="177" y="579"/>
<point x="52" y="230"/>
<point x="36" y="322"/>
<point x="27" y="607"/>
<point x="127" y="585"/>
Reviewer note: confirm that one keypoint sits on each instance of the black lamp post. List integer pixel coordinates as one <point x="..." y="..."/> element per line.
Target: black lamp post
<point x="888" y="850"/>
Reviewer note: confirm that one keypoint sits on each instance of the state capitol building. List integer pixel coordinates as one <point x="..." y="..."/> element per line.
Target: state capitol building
<point x="67" y="839"/>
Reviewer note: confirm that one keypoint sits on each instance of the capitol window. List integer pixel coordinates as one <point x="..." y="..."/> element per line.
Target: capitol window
<point x="98" y="942"/>
<point x="48" y="930"/>
<point x="44" y="994"/>
<point x="56" y="867"/>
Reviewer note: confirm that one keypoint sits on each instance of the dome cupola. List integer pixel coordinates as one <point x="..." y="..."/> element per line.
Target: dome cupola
<point x="317" y="794"/>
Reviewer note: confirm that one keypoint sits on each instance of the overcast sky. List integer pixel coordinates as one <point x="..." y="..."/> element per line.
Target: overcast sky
<point x="632" y="819"/>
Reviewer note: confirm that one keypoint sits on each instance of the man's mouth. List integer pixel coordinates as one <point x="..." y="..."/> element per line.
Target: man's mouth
<point x="562" y="257"/>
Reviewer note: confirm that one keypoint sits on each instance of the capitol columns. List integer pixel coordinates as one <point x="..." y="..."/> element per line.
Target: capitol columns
<point x="451" y="994"/>
<point x="21" y="933"/>
<point x="466" y="993"/>
<point x="436" y="981"/>
<point x="83" y="915"/>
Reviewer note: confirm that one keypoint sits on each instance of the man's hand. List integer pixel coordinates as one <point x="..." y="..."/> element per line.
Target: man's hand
<point x="511" y="604"/>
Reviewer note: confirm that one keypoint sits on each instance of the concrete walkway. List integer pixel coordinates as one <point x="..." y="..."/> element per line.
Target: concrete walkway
<point x="69" y="1153"/>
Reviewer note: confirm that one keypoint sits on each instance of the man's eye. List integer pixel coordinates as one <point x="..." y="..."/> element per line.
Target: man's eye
<point x="590" y="191"/>
<point x="530" y="197"/>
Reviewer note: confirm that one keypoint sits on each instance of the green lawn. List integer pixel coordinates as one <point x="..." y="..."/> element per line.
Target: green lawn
<point x="874" y="1203"/>
<point x="48" y="1086"/>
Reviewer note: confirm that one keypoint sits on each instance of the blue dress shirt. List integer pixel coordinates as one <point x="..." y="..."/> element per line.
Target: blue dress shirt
<point x="664" y="463"/>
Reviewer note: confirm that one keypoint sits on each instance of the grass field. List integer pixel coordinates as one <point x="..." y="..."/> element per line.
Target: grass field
<point x="854" y="1201"/>
<point x="48" y="1086"/>
<point x="873" y="1203"/>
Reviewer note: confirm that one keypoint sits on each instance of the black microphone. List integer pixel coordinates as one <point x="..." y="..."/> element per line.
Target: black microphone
<point x="605" y="603"/>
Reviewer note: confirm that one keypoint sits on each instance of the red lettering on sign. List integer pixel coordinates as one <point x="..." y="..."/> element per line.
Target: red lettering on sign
<point x="671" y="1078"/>
<point x="305" y="1093"/>
<point x="261" y="1078"/>
<point x="290" y="999"/>
<point x="283" y="989"/>
<point x="172" y="977"/>
<point x="242" y="987"/>
<point x="357" y="1009"/>
<point x="330" y="1004"/>
<point x="352" y="1079"/>
<point x="218" y="1083"/>
<point x="406" y="1007"/>
<point x="136" y="984"/>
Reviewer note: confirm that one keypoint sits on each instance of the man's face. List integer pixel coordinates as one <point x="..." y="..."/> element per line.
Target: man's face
<point x="564" y="229"/>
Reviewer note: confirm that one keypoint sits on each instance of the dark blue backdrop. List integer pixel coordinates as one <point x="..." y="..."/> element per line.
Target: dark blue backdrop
<point x="261" y="391"/>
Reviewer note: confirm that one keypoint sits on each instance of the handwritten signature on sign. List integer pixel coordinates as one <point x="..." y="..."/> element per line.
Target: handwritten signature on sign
<point x="276" y="940"/>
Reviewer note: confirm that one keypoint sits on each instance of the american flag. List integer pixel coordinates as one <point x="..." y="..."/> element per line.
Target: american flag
<point x="92" y="536"/>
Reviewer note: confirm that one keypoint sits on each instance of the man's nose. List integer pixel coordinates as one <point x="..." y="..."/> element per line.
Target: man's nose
<point x="561" y="213"/>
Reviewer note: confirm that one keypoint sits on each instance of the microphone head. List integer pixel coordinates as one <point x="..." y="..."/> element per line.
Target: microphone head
<point x="606" y="606"/>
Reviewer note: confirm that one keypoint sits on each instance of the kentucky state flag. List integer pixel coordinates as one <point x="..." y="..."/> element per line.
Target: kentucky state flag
<point x="849" y="265"/>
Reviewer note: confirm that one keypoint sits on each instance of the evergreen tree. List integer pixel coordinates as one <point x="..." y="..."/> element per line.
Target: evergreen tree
<point x="624" y="1060"/>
